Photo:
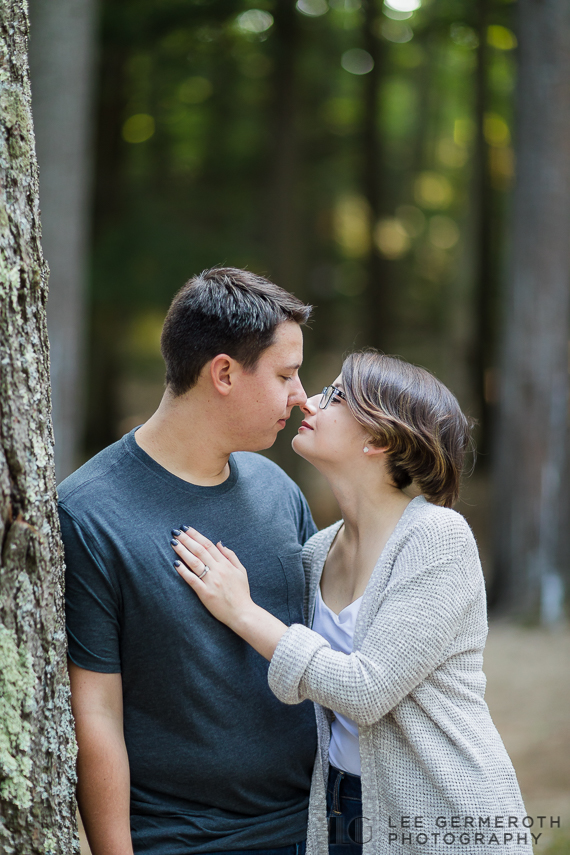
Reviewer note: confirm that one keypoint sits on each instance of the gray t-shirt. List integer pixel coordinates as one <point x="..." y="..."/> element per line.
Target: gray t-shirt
<point x="217" y="762"/>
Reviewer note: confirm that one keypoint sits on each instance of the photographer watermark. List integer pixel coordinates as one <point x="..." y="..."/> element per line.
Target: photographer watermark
<point x="469" y="830"/>
<point x="446" y="830"/>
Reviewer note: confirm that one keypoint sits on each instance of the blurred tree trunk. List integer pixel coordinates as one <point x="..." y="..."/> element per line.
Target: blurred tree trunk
<point x="282" y="190"/>
<point x="107" y="321"/>
<point x="37" y="746"/>
<point x="531" y="447"/>
<point x="61" y="60"/>
<point x="377" y="293"/>
<point x="483" y="360"/>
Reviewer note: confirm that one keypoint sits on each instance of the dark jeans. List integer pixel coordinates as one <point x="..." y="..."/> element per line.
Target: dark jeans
<point x="344" y="813"/>
<point x="294" y="849"/>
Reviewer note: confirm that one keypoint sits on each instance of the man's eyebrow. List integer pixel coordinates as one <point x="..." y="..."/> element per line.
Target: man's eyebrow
<point x="293" y="367"/>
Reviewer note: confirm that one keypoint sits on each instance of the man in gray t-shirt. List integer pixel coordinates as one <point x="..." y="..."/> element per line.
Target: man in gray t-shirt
<point x="182" y="746"/>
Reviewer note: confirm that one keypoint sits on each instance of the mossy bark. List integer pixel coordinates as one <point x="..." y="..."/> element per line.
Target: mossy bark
<point x="37" y="745"/>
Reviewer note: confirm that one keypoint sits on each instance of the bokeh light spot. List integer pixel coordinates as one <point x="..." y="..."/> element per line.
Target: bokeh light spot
<point x="501" y="166"/>
<point x="195" y="90"/>
<point x="443" y="232"/>
<point x="391" y="238"/>
<point x="433" y="190"/>
<point x="312" y="8"/>
<point x="403" y="5"/>
<point x="254" y="21"/>
<point x="144" y="333"/>
<point x="496" y="130"/>
<point x="501" y="37"/>
<point x="352" y="226"/>
<point x="396" y="16"/>
<point x="138" y="128"/>
<point x="345" y="5"/>
<point x="463" y="131"/>
<point x="396" y="31"/>
<point x="464" y="36"/>
<point x="450" y="154"/>
<point x="357" y="61"/>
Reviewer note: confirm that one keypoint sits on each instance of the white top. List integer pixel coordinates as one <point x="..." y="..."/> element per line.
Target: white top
<point x="338" y="630"/>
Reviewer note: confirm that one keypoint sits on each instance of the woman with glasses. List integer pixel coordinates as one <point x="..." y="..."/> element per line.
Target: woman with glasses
<point x="409" y="759"/>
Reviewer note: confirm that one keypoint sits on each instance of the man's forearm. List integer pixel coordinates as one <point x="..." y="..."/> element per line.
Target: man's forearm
<point x="103" y="788"/>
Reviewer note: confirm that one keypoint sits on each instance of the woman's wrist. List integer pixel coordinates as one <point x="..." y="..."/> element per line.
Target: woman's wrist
<point x="260" y="629"/>
<point x="244" y="620"/>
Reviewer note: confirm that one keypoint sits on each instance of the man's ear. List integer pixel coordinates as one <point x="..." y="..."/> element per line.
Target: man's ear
<point x="222" y="370"/>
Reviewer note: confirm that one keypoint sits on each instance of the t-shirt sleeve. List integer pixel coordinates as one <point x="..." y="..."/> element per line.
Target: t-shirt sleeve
<point x="92" y="602"/>
<point x="307" y="527"/>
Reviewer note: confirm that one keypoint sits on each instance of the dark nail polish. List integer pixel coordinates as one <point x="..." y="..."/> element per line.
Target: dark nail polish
<point x="174" y="542"/>
<point x="184" y="527"/>
<point x="175" y="532"/>
<point x="177" y="563"/>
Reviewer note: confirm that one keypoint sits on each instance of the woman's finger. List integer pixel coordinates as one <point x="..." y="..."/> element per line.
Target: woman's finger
<point x="190" y="578"/>
<point x="230" y="555"/>
<point x="194" y="562"/>
<point x="188" y="531"/>
<point x="197" y="549"/>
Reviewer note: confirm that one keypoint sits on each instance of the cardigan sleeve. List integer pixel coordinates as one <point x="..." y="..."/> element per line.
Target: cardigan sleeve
<point x="418" y="618"/>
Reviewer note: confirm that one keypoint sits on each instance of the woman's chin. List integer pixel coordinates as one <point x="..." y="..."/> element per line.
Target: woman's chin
<point x="299" y="447"/>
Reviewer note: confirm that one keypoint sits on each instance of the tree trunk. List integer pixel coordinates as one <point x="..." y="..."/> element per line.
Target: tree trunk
<point x="61" y="62"/>
<point x="377" y="293"/>
<point x="485" y="286"/>
<point x="531" y="447"/>
<point x="37" y="746"/>
<point x="282" y="219"/>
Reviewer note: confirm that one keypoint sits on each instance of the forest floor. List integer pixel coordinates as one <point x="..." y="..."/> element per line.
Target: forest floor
<point x="528" y="692"/>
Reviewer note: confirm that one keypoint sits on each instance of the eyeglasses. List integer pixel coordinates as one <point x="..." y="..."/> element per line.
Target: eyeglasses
<point x="328" y="394"/>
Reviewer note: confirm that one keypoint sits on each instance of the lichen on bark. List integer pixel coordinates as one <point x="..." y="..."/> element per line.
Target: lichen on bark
<point x="37" y="745"/>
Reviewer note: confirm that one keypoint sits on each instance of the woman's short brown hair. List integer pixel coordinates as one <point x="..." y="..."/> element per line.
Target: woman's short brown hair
<point x="407" y="410"/>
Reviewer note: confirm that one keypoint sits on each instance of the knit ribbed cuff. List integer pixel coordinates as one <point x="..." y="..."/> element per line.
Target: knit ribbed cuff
<point x="292" y="655"/>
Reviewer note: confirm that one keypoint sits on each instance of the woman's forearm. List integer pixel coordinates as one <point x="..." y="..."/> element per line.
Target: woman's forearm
<point x="260" y="629"/>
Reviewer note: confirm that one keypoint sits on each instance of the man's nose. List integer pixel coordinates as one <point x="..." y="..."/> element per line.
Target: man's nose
<point x="298" y="396"/>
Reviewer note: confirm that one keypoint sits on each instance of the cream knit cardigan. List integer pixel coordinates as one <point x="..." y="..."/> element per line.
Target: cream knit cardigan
<point x="436" y="777"/>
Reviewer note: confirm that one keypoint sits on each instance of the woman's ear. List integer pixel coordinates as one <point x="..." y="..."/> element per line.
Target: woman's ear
<point x="373" y="450"/>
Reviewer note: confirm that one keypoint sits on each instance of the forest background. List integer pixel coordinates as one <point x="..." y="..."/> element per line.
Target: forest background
<point x="371" y="158"/>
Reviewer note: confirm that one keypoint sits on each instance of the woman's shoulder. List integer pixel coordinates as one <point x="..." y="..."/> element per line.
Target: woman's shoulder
<point x="438" y="533"/>
<point x="443" y="518"/>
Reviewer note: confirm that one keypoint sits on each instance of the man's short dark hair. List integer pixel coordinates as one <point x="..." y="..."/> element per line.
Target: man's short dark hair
<point x="223" y="310"/>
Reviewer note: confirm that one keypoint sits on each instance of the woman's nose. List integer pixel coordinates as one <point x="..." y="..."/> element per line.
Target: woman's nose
<point x="311" y="405"/>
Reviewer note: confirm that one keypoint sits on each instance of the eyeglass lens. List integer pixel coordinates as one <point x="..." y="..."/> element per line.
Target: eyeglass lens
<point x="327" y="394"/>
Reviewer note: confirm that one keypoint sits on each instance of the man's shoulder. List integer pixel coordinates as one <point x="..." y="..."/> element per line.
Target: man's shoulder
<point x="94" y="477"/>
